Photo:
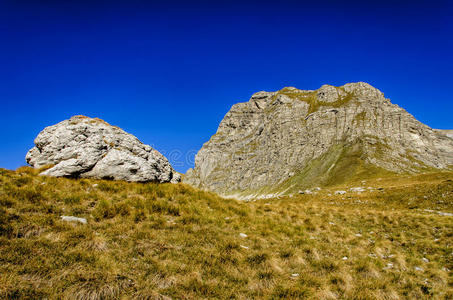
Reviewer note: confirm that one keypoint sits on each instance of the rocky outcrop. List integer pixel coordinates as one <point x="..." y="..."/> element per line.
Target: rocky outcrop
<point x="448" y="133"/>
<point x="92" y="148"/>
<point x="291" y="139"/>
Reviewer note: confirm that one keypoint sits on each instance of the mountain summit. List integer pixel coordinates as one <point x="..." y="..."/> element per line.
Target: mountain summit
<point x="280" y="142"/>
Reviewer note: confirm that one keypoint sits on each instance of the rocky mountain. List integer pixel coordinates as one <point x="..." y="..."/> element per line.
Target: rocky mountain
<point x="448" y="133"/>
<point x="90" y="147"/>
<point x="280" y="142"/>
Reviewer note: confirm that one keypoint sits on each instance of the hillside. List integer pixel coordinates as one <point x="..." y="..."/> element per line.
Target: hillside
<point x="280" y="142"/>
<point x="165" y="241"/>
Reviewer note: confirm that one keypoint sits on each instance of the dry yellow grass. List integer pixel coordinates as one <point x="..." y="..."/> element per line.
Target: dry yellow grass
<point x="152" y="241"/>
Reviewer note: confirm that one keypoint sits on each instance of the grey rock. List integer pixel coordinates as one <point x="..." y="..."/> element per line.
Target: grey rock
<point x="293" y="139"/>
<point x="357" y="189"/>
<point x="92" y="148"/>
<point x="448" y="133"/>
<point x="73" y="219"/>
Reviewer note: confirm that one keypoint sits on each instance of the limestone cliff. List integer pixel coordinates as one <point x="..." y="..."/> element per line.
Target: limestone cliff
<point x="290" y="139"/>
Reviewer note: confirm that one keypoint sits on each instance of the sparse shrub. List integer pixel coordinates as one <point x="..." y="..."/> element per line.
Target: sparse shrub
<point x="163" y="207"/>
<point x="325" y="265"/>
<point x="122" y="209"/>
<point x="286" y="253"/>
<point x="71" y="199"/>
<point x="281" y="292"/>
<point x="109" y="187"/>
<point x="6" y="219"/>
<point x="104" y="210"/>
<point x="21" y="181"/>
<point x="265" y="275"/>
<point x="139" y="215"/>
<point x="257" y="259"/>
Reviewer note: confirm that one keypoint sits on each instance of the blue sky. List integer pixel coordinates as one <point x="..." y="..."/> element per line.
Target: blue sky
<point x="168" y="71"/>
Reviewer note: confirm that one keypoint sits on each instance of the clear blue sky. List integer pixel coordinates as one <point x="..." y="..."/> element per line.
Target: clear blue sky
<point x="168" y="71"/>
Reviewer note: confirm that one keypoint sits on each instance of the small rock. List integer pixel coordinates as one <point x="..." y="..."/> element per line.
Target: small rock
<point x="243" y="235"/>
<point x="358" y="235"/>
<point x="95" y="185"/>
<point x="418" y="269"/>
<point x="357" y="189"/>
<point x="73" y="219"/>
<point x="244" y="247"/>
<point x="295" y="275"/>
<point x="425" y="260"/>
<point x="345" y="258"/>
<point x="445" y="214"/>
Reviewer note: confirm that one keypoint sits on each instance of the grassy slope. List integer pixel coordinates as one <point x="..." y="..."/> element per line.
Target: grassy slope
<point x="156" y="241"/>
<point x="343" y="163"/>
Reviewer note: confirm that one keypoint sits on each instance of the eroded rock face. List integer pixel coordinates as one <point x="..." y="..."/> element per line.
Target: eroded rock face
<point x="92" y="148"/>
<point x="275" y="138"/>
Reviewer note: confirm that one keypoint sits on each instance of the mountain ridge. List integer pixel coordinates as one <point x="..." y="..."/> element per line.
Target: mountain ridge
<point x="262" y="143"/>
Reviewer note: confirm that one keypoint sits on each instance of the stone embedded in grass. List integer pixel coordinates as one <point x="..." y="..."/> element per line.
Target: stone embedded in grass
<point x="445" y="214"/>
<point x="73" y="219"/>
<point x="418" y="269"/>
<point x="440" y="213"/>
<point x="357" y="189"/>
<point x="306" y="192"/>
<point x="243" y="235"/>
<point x="244" y="247"/>
<point x="425" y="260"/>
<point x="295" y="275"/>
<point x="345" y="258"/>
<point x="358" y="235"/>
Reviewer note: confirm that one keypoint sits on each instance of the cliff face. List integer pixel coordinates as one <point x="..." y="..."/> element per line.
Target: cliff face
<point x="290" y="139"/>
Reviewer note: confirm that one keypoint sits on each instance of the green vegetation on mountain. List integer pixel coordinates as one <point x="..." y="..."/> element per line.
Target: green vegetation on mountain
<point x="162" y="241"/>
<point x="310" y="98"/>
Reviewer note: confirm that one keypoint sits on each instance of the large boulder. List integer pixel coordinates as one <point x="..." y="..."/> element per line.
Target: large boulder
<point x="91" y="148"/>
